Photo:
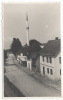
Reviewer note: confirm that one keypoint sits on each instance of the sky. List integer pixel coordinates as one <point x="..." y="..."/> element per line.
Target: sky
<point x="44" y="22"/>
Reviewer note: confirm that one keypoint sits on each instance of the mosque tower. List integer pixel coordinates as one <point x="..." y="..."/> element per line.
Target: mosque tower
<point x="27" y="29"/>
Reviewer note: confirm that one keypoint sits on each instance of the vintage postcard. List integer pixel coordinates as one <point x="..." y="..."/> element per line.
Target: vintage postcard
<point x="32" y="49"/>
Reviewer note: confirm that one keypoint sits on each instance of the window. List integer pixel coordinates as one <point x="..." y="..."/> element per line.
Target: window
<point x="47" y="59"/>
<point x="48" y="70"/>
<point x="50" y="60"/>
<point x="43" y="58"/>
<point x="51" y="71"/>
<point x="60" y="60"/>
<point x="60" y="71"/>
<point x="43" y="70"/>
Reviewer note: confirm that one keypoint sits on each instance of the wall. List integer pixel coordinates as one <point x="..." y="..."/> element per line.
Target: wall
<point x="29" y="64"/>
<point x="38" y="64"/>
<point x="57" y="67"/>
<point x="45" y="62"/>
<point x="47" y="65"/>
<point x="21" y="57"/>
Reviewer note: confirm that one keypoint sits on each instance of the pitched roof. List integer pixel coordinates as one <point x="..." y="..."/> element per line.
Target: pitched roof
<point x="51" y="48"/>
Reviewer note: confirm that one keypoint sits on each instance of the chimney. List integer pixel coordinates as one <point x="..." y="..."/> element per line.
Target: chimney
<point x="56" y="38"/>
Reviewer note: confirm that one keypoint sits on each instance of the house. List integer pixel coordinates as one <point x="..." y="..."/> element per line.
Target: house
<point x="22" y="56"/>
<point x="30" y="54"/>
<point x="50" y="60"/>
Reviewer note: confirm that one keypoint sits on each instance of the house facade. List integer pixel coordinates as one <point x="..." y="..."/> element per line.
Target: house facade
<point x="38" y="64"/>
<point x="50" y="60"/>
<point x="22" y="59"/>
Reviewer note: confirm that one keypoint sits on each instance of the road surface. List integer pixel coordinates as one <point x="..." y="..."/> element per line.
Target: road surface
<point x="28" y="85"/>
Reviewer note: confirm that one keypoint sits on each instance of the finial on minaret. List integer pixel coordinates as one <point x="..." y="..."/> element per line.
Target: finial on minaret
<point x="27" y="29"/>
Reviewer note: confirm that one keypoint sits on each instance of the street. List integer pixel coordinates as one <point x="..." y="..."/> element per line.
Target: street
<point x="28" y="85"/>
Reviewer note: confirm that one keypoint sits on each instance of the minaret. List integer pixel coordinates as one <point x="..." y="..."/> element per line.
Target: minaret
<point x="27" y="29"/>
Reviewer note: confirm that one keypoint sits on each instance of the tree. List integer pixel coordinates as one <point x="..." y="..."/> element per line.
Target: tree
<point x="16" y="45"/>
<point x="34" y="46"/>
<point x="5" y="56"/>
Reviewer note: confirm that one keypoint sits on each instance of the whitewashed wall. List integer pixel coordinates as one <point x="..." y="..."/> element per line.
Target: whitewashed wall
<point x="45" y="61"/>
<point x="57" y="67"/>
<point x="29" y="64"/>
<point x="47" y="65"/>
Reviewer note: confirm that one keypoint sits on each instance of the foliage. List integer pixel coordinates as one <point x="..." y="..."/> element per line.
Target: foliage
<point x="34" y="49"/>
<point x="34" y="46"/>
<point x="5" y="56"/>
<point x="16" y="45"/>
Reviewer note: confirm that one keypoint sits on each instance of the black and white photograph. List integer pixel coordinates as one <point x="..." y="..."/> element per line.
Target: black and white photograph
<point x="32" y="49"/>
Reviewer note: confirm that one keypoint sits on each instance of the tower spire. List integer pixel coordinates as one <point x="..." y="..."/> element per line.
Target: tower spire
<point x="27" y="29"/>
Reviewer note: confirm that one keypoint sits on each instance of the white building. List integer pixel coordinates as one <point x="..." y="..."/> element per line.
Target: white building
<point x="21" y="58"/>
<point x="50" y="60"/>
<point x="29" y="64"/>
